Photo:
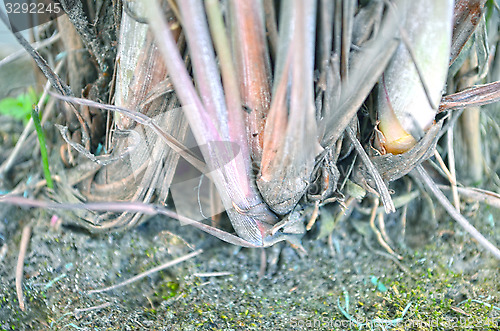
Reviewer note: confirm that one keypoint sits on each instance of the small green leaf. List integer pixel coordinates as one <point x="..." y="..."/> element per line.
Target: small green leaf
<point x="20" y="107"/>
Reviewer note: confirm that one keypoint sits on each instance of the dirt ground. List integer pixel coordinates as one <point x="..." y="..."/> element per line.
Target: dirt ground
<point x="444" y="278"/>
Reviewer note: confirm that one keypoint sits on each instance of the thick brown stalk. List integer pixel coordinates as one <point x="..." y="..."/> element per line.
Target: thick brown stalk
<point x="290" y="169"/>
<point x="253" y="63"/>
<point x="236" y="121"/>
<point x="277" y="120"/>
<point x="249" y="215"/>
<point x="205" y="69"/>
<point x="276" y="124"/>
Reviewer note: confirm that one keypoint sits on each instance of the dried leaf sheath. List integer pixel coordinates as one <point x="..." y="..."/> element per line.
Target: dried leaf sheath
<point x="252" y="59"/>
<point x="141" y="168"/>
<point x="132" y="38"/>
<point x="286" y="171"/>
<point x="466" y="17"/>
<point x="148" y="167"/>
<point x="472" y="97"/>
<point x="366" y="67"/>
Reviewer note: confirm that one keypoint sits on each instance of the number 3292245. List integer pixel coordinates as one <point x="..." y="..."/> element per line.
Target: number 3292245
<point x="33" y="8"/>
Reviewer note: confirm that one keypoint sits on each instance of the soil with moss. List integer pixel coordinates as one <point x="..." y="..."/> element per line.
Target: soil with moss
<point x="443" y="281"/>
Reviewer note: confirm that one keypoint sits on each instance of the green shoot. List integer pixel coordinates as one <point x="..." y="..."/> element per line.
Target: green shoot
<point x="43" y="147"/>
<point x="413" y="81"/>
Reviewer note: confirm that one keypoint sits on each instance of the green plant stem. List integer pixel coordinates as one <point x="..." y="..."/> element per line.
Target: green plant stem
<point x="43" y="147"/>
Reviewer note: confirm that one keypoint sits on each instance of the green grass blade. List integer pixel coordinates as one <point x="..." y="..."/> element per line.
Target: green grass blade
<point x="43" y="147"/>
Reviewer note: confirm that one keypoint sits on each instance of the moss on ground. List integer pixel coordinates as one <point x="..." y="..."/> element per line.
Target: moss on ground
<point x="447" y="281"/>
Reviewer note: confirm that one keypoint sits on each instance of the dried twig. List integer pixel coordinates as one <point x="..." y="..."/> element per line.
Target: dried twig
<point x="478" y="95"/>
<point x="388" y="256"/>
<point x="23" y="247"/>
<point x="78" y="311"/>
<point x="427" y="180"/>
<point x="451" y="178"/>
<point x="313" y="217"/>
<point x="53" y="77"/>
<point x="381" y="226"/>
<point x="134" y="207"/>
<point x="403" y="215"/>
<point x="171" y="141"/>
<point x="379" y="235"/>
<point x="38" y="45"/>
<point x="402" y="200"/>
<point x="488" y="197"/>
<point x="212" y="274"/>
<point x="149" y="272"/>
<point x="451" y="165"/>
<point x="381" y="187"/>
